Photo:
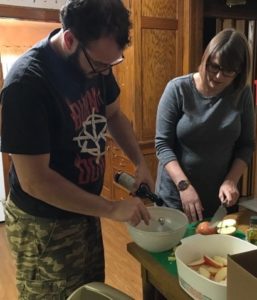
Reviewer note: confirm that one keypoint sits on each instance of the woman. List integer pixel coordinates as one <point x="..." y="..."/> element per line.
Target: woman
<point x="205" y="130"/>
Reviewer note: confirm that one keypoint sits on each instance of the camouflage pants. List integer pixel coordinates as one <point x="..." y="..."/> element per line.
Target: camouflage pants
<point x="53" y="257"/>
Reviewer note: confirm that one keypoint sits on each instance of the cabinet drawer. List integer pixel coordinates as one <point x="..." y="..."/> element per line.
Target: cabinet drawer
<point x="119" y="193"/>
<point x="121" y="163"/>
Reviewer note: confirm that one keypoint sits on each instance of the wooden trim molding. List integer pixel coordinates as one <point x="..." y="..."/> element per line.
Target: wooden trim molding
<point x="192" y="35"/>
<point x="159" y="23"/>
<point x="29" y="13"/>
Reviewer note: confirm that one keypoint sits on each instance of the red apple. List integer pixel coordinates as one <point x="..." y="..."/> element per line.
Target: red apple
<point x="197" y="262"/>
<point x="211" y="262"/>
<point x="221" y="259"/>
<point x="205" y="228"/>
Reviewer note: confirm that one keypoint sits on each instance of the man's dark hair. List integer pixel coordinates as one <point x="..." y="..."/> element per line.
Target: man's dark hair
<point x="90" y="20"/>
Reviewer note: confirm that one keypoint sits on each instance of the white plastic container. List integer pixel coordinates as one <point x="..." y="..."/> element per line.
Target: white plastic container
<point x="194" y="247"/>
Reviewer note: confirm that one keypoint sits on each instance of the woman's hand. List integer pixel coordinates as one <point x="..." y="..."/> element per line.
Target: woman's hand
<point x="228" y="192"/>
<point x="191" y="204"/>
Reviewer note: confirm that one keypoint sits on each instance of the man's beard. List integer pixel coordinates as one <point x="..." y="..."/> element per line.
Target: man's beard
<point x="73" y="61"/>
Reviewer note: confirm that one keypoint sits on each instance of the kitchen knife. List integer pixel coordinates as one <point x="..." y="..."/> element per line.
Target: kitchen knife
<point x="219" y="215"/>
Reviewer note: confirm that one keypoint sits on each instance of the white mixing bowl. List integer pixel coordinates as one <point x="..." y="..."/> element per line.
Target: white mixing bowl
<point x="156" y="237"/>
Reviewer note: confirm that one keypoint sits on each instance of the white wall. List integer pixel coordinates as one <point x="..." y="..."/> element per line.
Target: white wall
<point x="2" y="190"/>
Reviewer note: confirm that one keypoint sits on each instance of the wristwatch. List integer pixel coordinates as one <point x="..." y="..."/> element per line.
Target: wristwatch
<point x="183" y="185"/>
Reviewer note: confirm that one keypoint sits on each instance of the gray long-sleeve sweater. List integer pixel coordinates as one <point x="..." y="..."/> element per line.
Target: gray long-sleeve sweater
<point x="205" y="135"/>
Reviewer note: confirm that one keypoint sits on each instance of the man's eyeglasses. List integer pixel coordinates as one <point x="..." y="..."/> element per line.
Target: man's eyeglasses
<point x="97" y="66"/>
<point x="215" y="68"/>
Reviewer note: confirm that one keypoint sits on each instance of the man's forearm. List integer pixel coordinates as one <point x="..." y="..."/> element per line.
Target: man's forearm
<point x="59" y="192"/>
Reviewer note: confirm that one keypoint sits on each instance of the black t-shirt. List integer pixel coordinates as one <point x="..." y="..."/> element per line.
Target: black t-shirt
<point x="50" y="107"/>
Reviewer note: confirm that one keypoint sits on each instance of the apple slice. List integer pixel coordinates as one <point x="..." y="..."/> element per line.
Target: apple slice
<point x="227" y="226"/>
<point x="213" y="270"/>
<point x="226" y="230"/>
<point x="204" y="272"/>
<point x="221" y="274"/>
<point x="227" y="223"/>
<point x="224" y="281"/>
<point x="221" y="259"/>
<point x="211" y="262"/>
<point x="197" y="262"/>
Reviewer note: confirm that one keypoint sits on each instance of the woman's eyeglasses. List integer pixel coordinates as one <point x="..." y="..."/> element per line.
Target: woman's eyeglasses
<point x="215" y="68"/>
<point x="99" y="67"/>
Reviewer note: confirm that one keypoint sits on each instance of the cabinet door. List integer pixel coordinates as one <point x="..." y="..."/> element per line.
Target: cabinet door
<point x="161" y="57"/>
<point x="120" y="162"/>
<point x="124" y="74"/>
<point x="154" y="57"/>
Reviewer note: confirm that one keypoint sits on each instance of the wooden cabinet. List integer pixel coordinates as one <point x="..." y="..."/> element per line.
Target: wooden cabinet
<point x="154" y="57"/>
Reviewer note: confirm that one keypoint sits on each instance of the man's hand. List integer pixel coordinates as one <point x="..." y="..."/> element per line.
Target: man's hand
<point x="142" y="175"/>
<point x="130" y="210"/>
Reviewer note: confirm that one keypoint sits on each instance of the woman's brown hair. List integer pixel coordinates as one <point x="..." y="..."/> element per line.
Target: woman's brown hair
<point x="233" y="51"/>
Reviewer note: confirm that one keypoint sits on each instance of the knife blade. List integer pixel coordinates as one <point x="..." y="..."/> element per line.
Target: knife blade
<point x="218" y="215"/>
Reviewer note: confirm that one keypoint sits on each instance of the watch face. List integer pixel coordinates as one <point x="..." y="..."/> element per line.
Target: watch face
<point x="183" y="185"/>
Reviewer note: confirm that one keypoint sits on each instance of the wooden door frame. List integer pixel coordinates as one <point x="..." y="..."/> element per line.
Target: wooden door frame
<point x="192" y="34"/>
<point x="29" y="13"/>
